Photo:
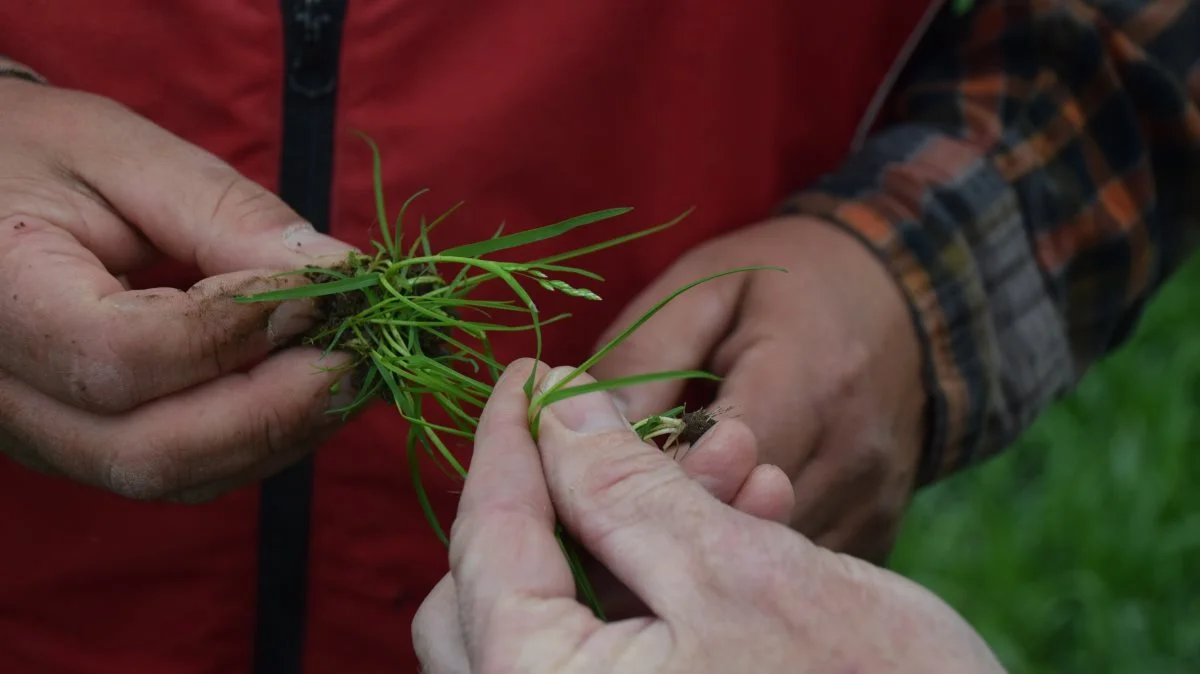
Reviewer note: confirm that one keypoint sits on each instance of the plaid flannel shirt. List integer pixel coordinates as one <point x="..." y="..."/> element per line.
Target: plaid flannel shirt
<point x="1037" y="178"/>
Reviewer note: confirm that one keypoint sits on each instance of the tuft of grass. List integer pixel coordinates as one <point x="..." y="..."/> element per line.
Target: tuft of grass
<point x="421" y="342"/>
<point x="1078" y="550"/>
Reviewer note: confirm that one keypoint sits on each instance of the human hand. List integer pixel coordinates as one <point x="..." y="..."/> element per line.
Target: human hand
<point x="728" y="592"/>
<point x="822" y="363"/>
<point x="153" y="393"/>
<point x="724" y="461"/>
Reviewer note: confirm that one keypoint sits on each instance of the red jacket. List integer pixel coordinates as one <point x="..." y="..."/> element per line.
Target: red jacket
<point x="530" y="111"/>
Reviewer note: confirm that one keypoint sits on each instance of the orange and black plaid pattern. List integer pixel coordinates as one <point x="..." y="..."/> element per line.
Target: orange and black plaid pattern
<point x="1036" y="180"/>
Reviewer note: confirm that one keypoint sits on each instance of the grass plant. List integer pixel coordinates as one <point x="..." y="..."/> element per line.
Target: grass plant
<point x="421" y="342"/>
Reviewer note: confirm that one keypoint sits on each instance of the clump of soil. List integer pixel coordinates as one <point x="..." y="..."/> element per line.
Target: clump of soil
<point x="695" y="425"/>
<point x="334" y="310"/>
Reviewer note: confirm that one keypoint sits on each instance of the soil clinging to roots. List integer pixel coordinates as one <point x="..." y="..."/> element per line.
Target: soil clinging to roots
<point x="695" y="425"/>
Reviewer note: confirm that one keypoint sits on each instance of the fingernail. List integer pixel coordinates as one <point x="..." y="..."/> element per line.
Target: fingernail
<point x="304" y="239"/>
<point x="552" y="378"/>
<point x="289" y="320"/>
<point x="589" y="413"/>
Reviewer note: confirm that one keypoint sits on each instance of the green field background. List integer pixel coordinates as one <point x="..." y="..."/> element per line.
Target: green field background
<point x="1078" y="550"/>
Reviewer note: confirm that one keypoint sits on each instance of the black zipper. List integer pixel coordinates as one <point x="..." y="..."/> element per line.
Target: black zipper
<point x="312" y="43"/>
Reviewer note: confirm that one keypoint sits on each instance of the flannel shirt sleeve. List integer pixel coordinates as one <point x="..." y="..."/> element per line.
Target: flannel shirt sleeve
<point x="1035" y="180"/>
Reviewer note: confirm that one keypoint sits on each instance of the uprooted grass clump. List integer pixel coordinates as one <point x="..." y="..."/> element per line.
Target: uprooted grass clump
<point x="418" y="337"/>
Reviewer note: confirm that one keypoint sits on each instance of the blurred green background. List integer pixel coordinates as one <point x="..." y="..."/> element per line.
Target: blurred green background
<point x="1078" y="550"/>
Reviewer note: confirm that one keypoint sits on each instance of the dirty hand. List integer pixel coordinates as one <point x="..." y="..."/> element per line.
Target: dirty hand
<point x="728" y="592"/>
<point x="149" y="393"/>
<point x="821" y="362"/>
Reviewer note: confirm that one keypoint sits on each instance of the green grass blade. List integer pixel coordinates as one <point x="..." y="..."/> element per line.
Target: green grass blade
<point x="424" y="243"/>
<point x="559" y="269"/>
<point x="494" y="366"/>
<point x="616" y="241"/>
<point x="612" y="344"/>
<point x="622" y="382"/>
<point x="397" y="250"/>
<point x="345" y="285"/>
<point x="448" y="430"/>
<point x="481" y="248"/>
<point x="380" y="206"/>
<point x="414" y="467"/>
<point x="570" y="549"/>
<point x="465" y="325"/>
<point x="446" y="454"/>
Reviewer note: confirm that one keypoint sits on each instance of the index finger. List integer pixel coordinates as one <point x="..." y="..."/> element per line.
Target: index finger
<point x="503" y="554"/>
<point x="72" y="331"/>
<point x="190" y="204"/>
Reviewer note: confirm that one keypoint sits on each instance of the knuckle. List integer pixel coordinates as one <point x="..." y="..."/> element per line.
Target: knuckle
<point x="236" y="204"/>
<point x="627" y="478"/>
<point x="616" y="493"/>
<point x="141" y="476"/>
<point x="842" y="375"/>
<point x="207" y="345"/>
<point x="240" y="200"/>
<point x="755" y="560"/>
<point x="871" y="457"/>
<point x="97" y="379"/>
<point x="863" y="466"/>
<point x="236" y="195"/>
<point x="272" y="429"/>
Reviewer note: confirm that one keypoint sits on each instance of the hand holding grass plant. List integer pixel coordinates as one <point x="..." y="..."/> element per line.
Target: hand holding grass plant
<point x="417" y="337"/>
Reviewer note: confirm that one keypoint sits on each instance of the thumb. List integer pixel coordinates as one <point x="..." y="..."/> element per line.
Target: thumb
<point x="629" y="505"/>
<point x="192" y="206"/>
<point x="679" y="337"/>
